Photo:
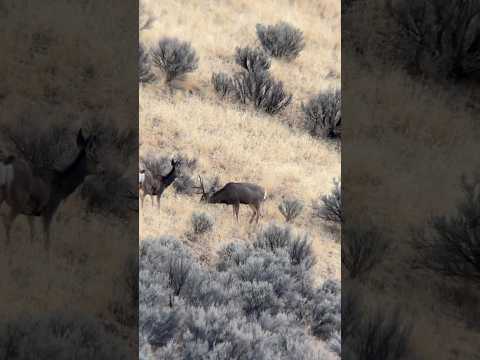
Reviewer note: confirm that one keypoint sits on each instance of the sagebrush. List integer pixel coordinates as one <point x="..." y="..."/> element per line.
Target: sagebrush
<point x="329" y="207"/>
<point x="256" y="302"/>
<point x="281" y="40"/>
<point x="322" y="115"/>
<point x="252" y="59"/>
<point x="174" y="57"/>
<point x="291" y="209"/>
<point x="256" y="87"/>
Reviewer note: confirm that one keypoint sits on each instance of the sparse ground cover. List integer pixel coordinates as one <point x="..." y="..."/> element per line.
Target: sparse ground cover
<point x="244" y="142"/>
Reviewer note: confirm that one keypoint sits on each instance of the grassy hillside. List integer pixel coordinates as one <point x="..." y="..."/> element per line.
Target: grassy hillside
<point x="413" y="139"/>
<point x="234" y="142"/>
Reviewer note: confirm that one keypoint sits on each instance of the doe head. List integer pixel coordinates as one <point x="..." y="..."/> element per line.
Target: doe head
<point x="89" y="146"/>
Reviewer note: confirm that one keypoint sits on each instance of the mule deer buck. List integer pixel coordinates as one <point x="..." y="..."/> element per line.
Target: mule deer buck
<point x="235" y="194"/>
<point x="34" y="195"/>
<point x="152" y="185"/>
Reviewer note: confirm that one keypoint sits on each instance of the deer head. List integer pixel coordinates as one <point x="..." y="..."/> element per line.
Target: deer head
<point x="206" y="194"/>
<point x="202" y="191"/>
<point x="89" y="146"/>
<point x="175" y="163"/>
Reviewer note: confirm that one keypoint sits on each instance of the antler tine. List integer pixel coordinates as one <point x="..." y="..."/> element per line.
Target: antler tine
<point x="201" y="183"/>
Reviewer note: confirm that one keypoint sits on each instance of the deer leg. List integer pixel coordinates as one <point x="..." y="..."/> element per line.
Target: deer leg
<point x="142" y="198"/>
<point x="253" y="214"/>
<point x="47" y="220"/>
<point x="258" y="208"/>
<point x="8" y="222"/>
<point x="31" y="225"/>
<point x="236" y="208"/>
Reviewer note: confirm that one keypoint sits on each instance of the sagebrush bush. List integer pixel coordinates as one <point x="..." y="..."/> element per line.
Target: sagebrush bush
<point x="145" y="74"/>
<point x="174" y="57"/>
<point x="222" y="83"/>
<point x="326" y="321"/>
<point x="450" y="245"/>
<point x="254" y="303"/>
<point x="363" y="247"/>
<point x="373" y="335"/>
<point x="202" y="223"/>
<point x="125" y="304"/>
<point x="252" y="59"/>
<point x="254" y="84"/>
<point x="329" y="207"/>
<point x="184" y="183"/>
<point x="281" y="40"/>
<point x="59" y="336"/>
<point x="47" y="149"/>
<point x="322" y="115"/>
<point x="259" y="88"/>
<point x="256" y="87"/>
<point x="290" y="209"/>
<point x="439" y="36"/>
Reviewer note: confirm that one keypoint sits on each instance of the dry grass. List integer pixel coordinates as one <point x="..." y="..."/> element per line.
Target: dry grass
<point x="235" y="143"/>
<point x="416" y="139"/>
<point x="46" y="83"/>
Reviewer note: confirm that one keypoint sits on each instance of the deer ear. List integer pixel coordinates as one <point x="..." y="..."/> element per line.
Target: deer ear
<point x="81" y="142"/>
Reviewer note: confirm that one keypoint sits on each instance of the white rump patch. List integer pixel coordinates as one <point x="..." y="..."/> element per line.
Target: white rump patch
<point x="6" y="174"/>
<point x="141" y="178"/>
<point x="265" y="196"/>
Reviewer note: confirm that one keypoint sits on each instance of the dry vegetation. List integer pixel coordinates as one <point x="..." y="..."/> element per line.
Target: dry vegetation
<point x="56" y="75"/>
<point x="414" y="136"/>
<point x="264" y="144"/>
<point x="236" y="143"/>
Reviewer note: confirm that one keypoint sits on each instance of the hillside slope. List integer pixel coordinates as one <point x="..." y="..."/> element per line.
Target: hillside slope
<point x="236" y="143"/>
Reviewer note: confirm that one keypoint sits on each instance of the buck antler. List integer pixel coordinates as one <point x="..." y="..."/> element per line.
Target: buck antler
<point x="201" y="187"/>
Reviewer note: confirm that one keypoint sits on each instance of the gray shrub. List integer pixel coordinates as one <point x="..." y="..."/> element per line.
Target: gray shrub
<point x="363" y="248"/>
<point x="222" y="84"/>
<point x="252" y="59"/>
<point x="450" y="245"/>
<point x="259" y="88"/>
<point x="145" y="74"/>
<point x="290" y="209"/>
<point x="255" y="87"/>
<point x="60" y="336"/>
<point x="329" y="207"/>
<point x="202" y="223"/>
<point x="281" y="40"/>
<point x="438" y="38"/>
<point x="174" y="57"/>
<point x="322" y="115"/>
<point x="377" y="334"/>
<point x="326" y="320"/>
<point x="255" y="303"/>
<point x="184" y="183"/>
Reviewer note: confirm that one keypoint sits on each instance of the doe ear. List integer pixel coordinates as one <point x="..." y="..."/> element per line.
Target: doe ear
<point x="81" y="141"/>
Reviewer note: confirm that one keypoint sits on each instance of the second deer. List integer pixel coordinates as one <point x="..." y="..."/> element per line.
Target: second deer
<point x="27" y="193"/>
<point x="155" y="185"/>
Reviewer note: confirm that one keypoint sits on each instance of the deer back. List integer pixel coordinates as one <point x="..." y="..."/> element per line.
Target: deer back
<point x="151" y="185"/>
<point x="19" y="184"/>
<point x="239" y="193"/>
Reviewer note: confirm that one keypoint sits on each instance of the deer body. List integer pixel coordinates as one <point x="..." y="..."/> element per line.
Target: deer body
<point x="236" y="193"/>
<point x="155" y="186"/>
<point x="39" y="195"/>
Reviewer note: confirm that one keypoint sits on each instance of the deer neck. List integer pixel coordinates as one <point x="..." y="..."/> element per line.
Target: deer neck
<point x="168" y="179"/>
<point x="68" y="180"/>
<point x="215" y="199"/>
